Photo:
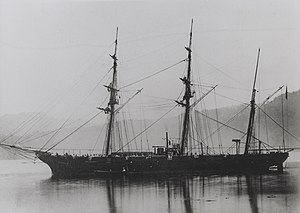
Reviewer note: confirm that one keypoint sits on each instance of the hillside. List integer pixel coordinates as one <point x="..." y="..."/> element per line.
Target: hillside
<point x="267" y="129"/>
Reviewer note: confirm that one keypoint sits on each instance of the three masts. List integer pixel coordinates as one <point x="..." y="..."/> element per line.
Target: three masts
<point x="169" y="159"/>
<point x="185" y="102"/>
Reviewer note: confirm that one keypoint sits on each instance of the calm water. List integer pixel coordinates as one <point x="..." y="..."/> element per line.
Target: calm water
<point x="27" y="187"/>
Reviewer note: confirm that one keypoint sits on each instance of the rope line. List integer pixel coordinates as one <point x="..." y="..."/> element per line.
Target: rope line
<point x="74" y="131"/>
<point x="297" y="139"/>
<point x="149" y="126"/>
<point x="149" y="76"/>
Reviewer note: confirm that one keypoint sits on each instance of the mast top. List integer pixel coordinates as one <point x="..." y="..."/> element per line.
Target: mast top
<point x="116" y="41"/>
<point x="256" y="69"/>
<point x="114" y="56"/>
<point x="191" y="34"/>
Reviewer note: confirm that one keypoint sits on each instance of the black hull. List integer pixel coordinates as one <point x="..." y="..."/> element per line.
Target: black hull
<point x="68" y="167"/>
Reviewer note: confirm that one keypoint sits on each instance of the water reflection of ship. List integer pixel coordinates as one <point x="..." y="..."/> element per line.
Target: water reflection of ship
<point x="173" y="189"/>
<point x="258" y="191"/>
<point x="191" y="194"/>
<point x="111" y="196"/>
<point x="252" y="192"/>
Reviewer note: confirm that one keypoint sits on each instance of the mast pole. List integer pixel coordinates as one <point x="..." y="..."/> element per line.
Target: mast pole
<point x="282" y="117"/>
<point x="252" y="110"/>
<point x="187" y="96"/>
<point x="112" y="88"/>
<point x="167" y="144"/>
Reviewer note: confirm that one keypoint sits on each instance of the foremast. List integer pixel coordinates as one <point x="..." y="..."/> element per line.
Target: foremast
<point x="112" y="88"/>
<point x="252" y="110"/>
<point x="187" y="96"/>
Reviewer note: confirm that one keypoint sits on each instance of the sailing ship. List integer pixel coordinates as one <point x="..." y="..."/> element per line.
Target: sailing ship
<point x="169" y="158"/>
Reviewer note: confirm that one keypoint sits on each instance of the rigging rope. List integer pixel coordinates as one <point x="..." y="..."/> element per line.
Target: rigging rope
<point x="207" y="147"/>
<point x="149" y="76"/>
<point x="41" y="136"/>
<point x="18" y="151"/>
<point x="228" y="121"/>
<point x="149" y="126"/>
<point x="231" y="98"/>
<point x="126" y="130"/>
<point x="23" y="156"/>
<point x="28" y="130"/>
<point x="150" y="52"/>
<point x="74" y="131"/>
<point x="235" y="129"/>
<point x="266" y="125"/>
<point x="197" y="127"/>
<point x="218" y="69"/>
<point x="46" y="106"/>
<point x="132" y="129"/>
<point x="297" y="139"/>
<point x="191" y="134"/>
<point x="13" y="132"/>
<point x="41" y="117"/>
<point x="144" y="123"/>
<point x="247" y="105"/>
<point x="217" y="117"/>
<point x="62" y="126"/>
<point x="98" y="138"/>
<point x="76" y="109"/>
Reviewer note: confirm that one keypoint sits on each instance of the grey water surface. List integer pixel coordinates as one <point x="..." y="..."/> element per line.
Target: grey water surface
<point x="28" y="187"/>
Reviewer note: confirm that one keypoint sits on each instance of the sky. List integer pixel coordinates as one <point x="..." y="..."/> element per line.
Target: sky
<point x="54" y="53"/>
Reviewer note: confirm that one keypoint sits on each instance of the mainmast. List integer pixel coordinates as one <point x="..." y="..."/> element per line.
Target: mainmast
<point x="112" y="88"/>
<point x="252" y="110"/>
<point x="187" y="96"/>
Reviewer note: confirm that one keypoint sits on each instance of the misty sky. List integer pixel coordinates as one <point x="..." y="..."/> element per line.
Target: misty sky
<point x="53" y="53"/>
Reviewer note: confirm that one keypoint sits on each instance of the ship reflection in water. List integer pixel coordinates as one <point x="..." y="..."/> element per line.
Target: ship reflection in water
<point x="203" y="194"/>
<point x="265" y="193"/>
<point x="36" y="192"/>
